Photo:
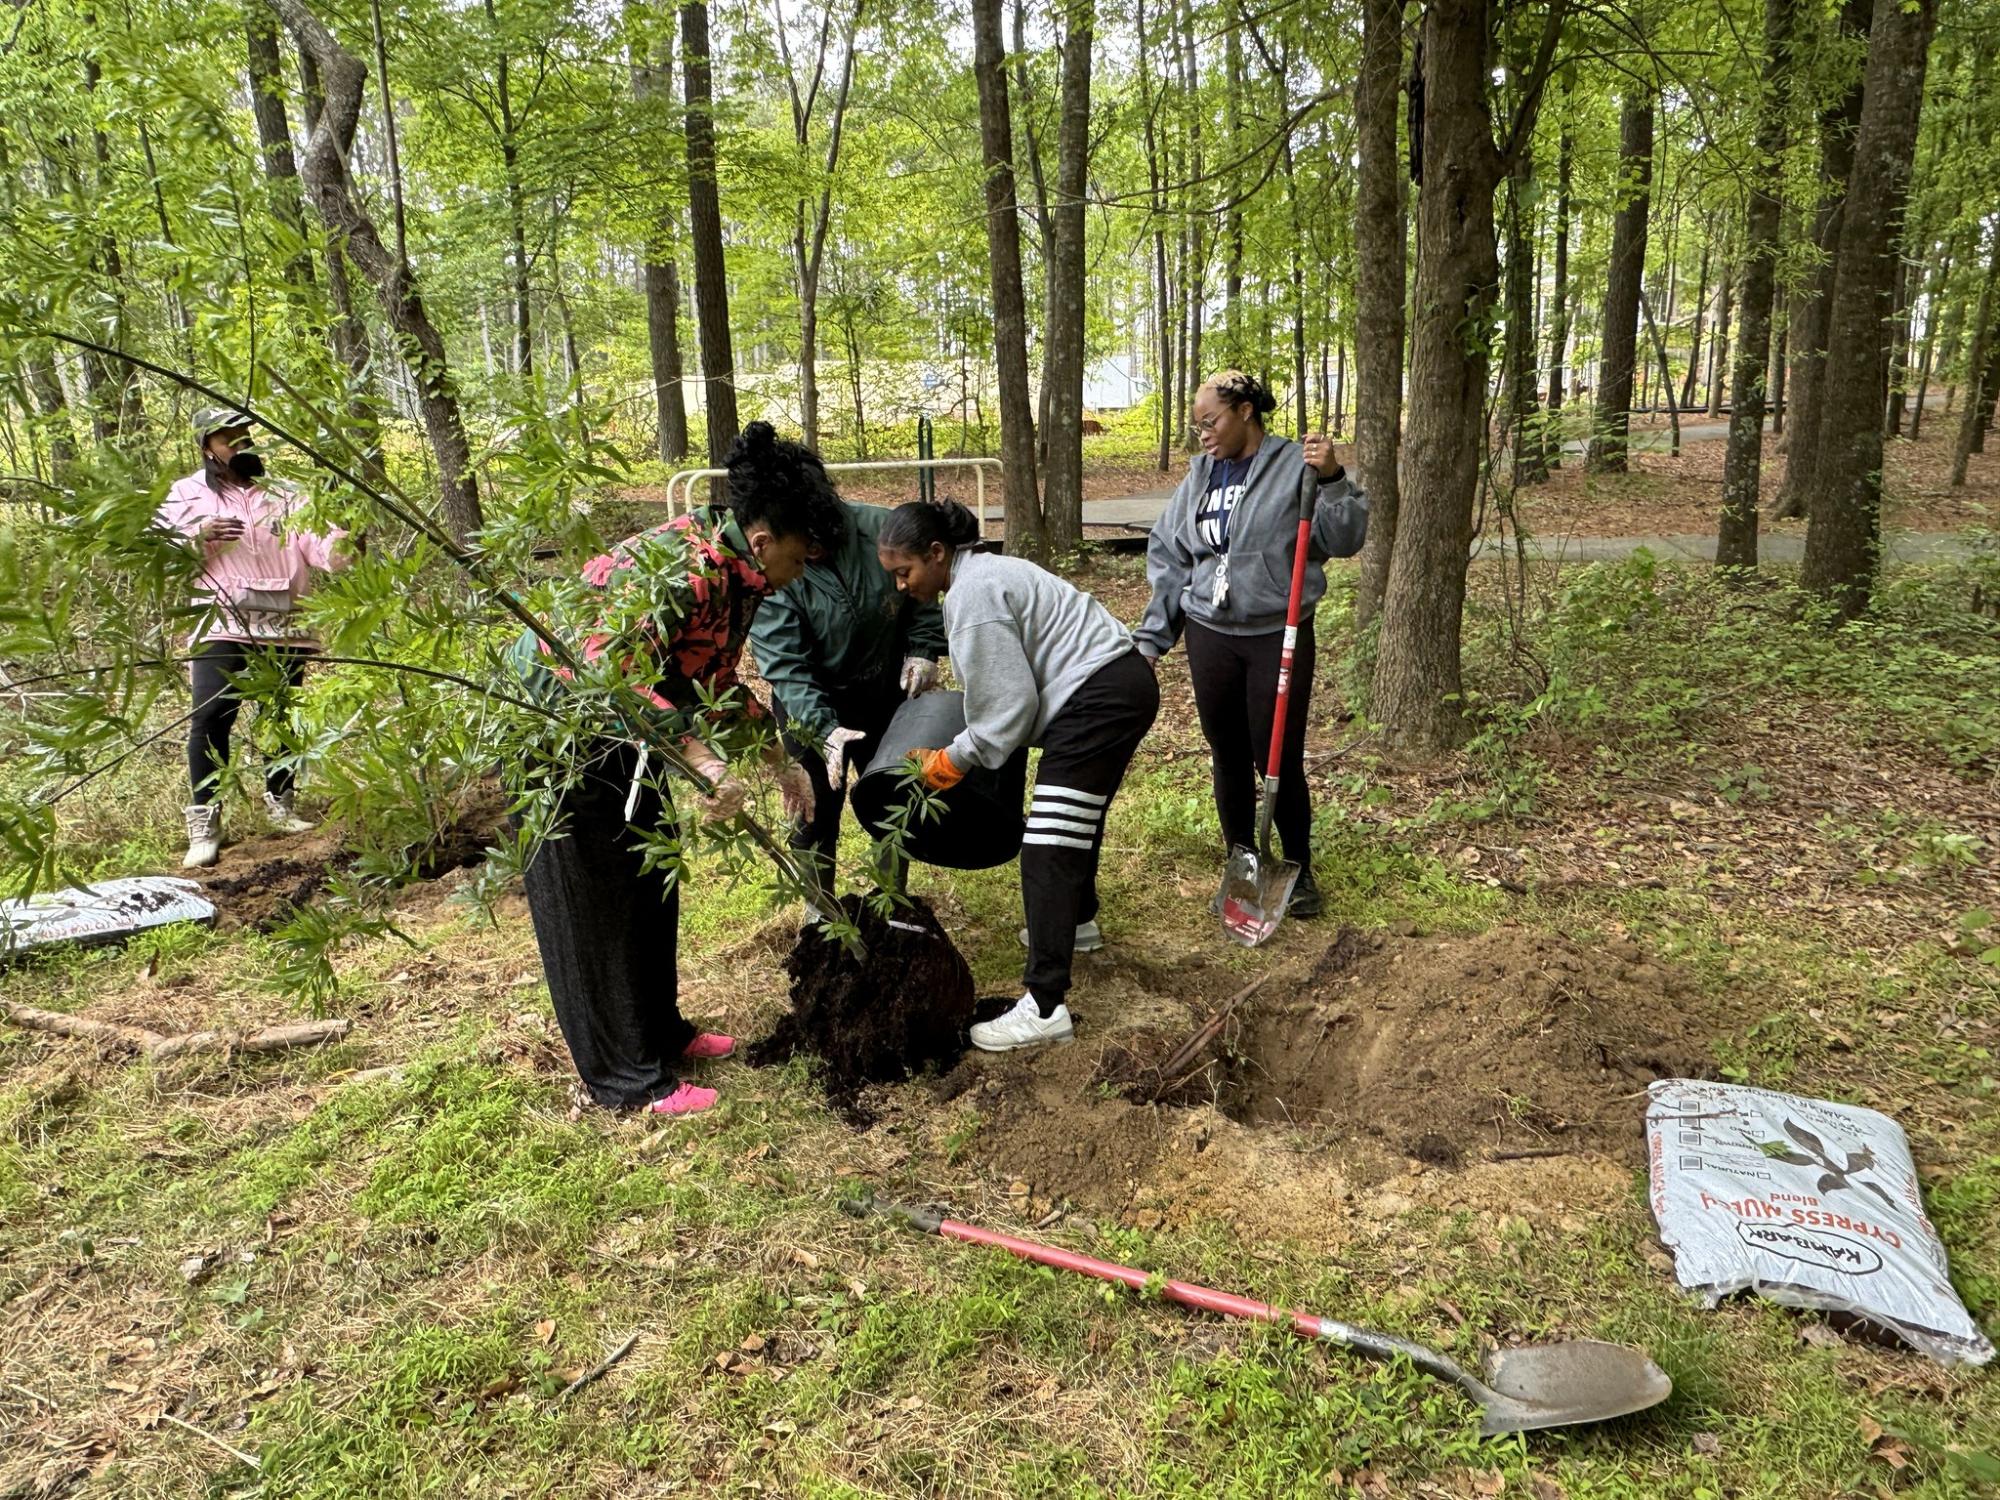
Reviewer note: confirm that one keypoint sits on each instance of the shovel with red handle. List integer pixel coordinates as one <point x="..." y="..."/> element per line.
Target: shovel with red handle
<point x="1525" y="1388"/>
<point x="1256" y="884"/>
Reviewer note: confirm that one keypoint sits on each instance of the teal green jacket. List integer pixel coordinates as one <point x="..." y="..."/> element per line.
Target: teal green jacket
<point x="842" y="630"/>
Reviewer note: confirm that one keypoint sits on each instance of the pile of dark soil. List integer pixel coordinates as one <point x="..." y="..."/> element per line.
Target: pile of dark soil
<point x="1453" y="1048"/>
<point x="903" y="1006"/>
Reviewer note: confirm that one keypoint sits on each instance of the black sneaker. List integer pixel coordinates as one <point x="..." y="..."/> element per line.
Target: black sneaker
<point x="1306" y="900"/>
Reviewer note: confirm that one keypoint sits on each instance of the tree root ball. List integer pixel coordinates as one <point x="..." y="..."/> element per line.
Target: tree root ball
<point x="903" y="1006"/>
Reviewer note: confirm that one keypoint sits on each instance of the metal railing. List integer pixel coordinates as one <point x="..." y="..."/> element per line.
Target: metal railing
<point x="680" y="485"/>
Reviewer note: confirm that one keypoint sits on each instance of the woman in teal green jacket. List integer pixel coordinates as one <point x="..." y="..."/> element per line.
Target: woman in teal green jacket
<point x="842" y="649"/>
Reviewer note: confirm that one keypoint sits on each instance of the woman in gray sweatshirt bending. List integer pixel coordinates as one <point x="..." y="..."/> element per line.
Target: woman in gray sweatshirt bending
<point x="1043" y="664"/>
<point x="1220" y="562"/>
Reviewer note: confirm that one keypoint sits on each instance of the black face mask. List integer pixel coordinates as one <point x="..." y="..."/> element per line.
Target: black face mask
<point x="246" y="464"/>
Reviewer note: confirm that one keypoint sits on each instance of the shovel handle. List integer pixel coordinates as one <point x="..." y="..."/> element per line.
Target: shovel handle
<point x="1308" y="499"/>
<point x="1187" y="1293"/>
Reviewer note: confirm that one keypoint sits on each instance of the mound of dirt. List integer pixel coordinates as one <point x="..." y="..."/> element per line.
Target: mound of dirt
<point x="903" y="1006"/>
<point x="1450" y="1049"/>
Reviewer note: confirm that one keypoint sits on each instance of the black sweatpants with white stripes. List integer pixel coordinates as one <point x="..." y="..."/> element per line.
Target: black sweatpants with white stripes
<point x="1085" y="752"/>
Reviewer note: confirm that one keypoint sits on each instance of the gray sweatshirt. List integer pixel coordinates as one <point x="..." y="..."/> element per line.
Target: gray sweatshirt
<point x="1260" y="508"/>
<point x="1021" y="641"/>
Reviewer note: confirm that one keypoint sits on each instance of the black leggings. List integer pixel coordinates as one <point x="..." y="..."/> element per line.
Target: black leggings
<point x="217" y="702"/>
<point x="1236" y="695"/>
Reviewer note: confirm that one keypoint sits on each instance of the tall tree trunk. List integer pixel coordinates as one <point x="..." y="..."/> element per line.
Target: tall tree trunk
<point x="1027" y="534"/>
<point x="1163" y="307"/>
<point x="650" y="52"/>
<point x="1899" y="347"/>
<point x="1779" y="365"/>
<point x="274" y="135"/>
<point x="1934" y="290"/>
<point x="1380" y="247"/>
<point x="53" y="405"/>
<point x="1843" y="529"/>
<point x="325" y="172"/>
<point x="711" y="272"/>
<point x="1736" y="541"/>
<point x="1619" y="336"/>
<point x="1977" y="390"/>
<point x="119" y="406"/>
<point x="1719" y="350"/>
<point x="347" y="332"/>
<point x="1197" y="270"/>
<point x="1062" y="368"/>
<point x="1417" y="673"/>
<point x="1700" y="320"/>
<point x="1559" y="293"/>
<point x="1810" y="312"/>
<point x="1233" y="350"/>
<point x="517" y="200"/>
<point x="1530" y="464"/>
<point x="1029" y="145"/>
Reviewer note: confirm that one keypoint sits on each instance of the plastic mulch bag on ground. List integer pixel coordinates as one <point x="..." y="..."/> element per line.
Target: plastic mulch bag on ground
<point x="108" y="912"/>
<point x="1805" y="1202"/>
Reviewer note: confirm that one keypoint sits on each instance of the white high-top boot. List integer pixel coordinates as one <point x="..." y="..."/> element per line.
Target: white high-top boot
<point x="204" y="826"/>
<point x="278" y="811"/>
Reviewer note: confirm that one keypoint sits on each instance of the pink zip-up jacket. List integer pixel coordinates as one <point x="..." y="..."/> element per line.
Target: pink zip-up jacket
<point x="253" y="585"/>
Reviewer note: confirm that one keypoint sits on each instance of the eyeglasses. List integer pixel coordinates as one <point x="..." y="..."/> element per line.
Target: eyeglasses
<point x="1204" y="426"/>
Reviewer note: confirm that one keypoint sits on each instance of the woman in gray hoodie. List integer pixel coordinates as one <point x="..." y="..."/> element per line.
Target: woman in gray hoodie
<point x="1220" y="562"/>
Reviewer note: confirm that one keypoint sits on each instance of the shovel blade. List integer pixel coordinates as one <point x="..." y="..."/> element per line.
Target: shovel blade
<point x="1255" y="893"/>
<point x="1560" y="1385"/>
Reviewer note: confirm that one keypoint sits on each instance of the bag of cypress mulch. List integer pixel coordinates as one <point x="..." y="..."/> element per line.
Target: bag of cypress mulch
<point x="1805" y="1202"/>
<point x="108" y="912"/>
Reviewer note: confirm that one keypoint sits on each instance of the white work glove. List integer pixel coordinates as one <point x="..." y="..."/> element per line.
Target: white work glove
<point x="729" y="795"/>
<point x="836" y="753"/>
<point x="795" y="789"/>
<point x="920" y="675"/>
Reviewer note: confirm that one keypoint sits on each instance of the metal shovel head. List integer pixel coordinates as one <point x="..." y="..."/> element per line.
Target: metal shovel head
<point x="1255" y="892"/>
<point x="1559" y="1385"/>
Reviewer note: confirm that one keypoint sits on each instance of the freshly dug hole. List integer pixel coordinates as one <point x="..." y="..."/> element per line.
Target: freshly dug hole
<point x="902" y="1007"/>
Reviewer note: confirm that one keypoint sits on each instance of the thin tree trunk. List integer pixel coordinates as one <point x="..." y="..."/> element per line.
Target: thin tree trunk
<point x="1163" y="313"/>
<point x="1559" y="293"/>
<point x="650" y="52"/>
<point x="1810" y="314"/>
<point x="1934" y="291"/>
<point x="1062" y="369"/>
<point x="1977" y="390"/>
<point x="1530" y="464"/>
<point x="517" y="201"/>
<point x="53" y="423"/>
<point x="1899" y="350"/>
<point x="1719" y="352"/>
<point x="1666" y="375"/>
<point x="348" y="333"/>
<point x="1340" y="391"/>
<point x="1027" y="533"/>
<point x="1843" y="532"/>
<point x="274" y="136"/>
<point x="1736" y="540"/>
<point x="1619" y="335"/>
<point x="117" y="385"/>
<point x="1700" y="320"/>
<point x="325" y="173"/>
<point x="1380" y="247"/>
<point x="711" y="273"/>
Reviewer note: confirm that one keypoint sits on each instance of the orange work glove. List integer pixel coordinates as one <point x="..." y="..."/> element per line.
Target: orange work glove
<point x="936" y="767"/>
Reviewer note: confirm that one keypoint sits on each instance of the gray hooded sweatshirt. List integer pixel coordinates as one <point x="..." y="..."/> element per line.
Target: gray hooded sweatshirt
<point x="1022" y="641"/>
<point x="1260" y="519"/>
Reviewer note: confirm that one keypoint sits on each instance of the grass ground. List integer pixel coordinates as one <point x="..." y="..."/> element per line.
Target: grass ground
<point x="373" y="1269"/>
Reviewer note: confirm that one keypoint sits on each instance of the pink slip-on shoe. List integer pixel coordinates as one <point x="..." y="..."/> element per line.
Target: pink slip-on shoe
<point x="709" y="1044"/>
<point x="688" y="1099"/>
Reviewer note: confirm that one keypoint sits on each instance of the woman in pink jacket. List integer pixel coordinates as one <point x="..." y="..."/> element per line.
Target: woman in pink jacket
<point x="255" y="571"/>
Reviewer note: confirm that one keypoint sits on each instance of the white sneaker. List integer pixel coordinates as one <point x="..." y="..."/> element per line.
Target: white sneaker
<point x="1023" y="1026"/>
<point x="204" y="829"/>
<point x="278" y="812"/>
<point x="1088" y="938"/>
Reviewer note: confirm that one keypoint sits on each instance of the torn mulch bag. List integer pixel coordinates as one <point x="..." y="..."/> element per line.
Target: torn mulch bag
<point x="1808" y="1203"/>
<point x="109" y="911"/>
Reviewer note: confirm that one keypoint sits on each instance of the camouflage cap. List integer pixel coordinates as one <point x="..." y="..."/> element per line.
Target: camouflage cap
<point x="213" y="419"/>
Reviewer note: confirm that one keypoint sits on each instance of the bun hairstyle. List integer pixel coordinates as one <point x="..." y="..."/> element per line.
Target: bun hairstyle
<point x="781" y="484"/>
<point x="915" y="526"/>
<point x="1236" y="388"/>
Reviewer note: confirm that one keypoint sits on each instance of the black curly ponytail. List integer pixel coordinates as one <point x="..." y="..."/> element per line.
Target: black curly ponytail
<point x="1235" y="388"/>
<point x="781" y="484"/>
<point x="913" y="527"/>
